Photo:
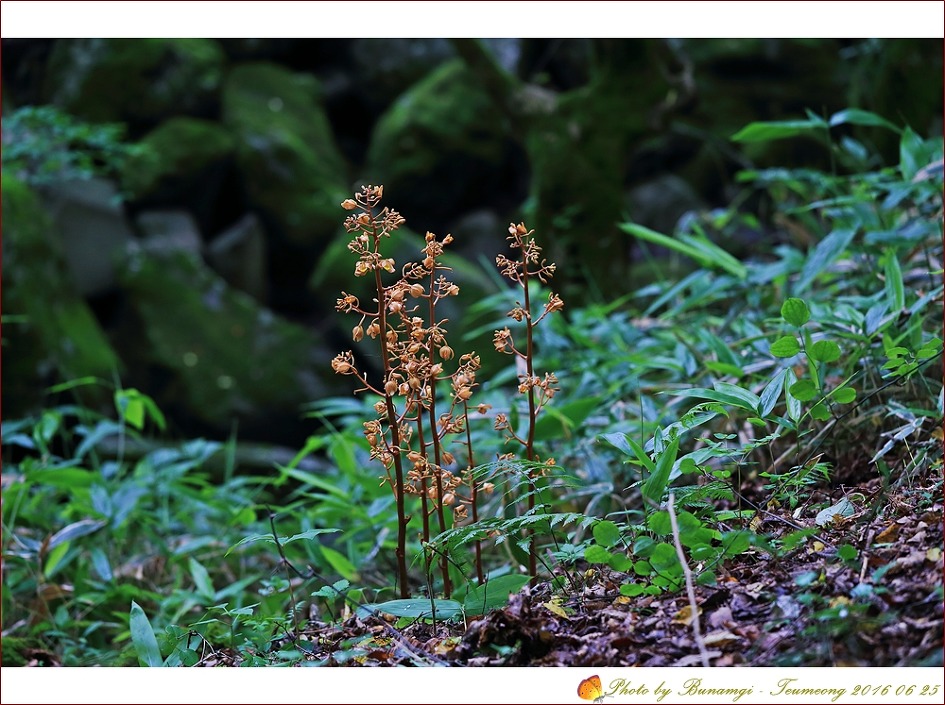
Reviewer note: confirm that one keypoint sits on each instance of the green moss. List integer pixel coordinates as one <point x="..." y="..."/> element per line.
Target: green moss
<point x="286" y="150"/>
<point x="133" y="79"/>
<point x="180" y="147"/>
<point x="438" y="134"/>
<point x="54" y="327"/>
<point x="228" y="354"/>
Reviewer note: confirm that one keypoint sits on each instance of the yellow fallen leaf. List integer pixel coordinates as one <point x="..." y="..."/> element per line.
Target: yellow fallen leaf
<point x="684" y="616"/>
<point x="889" y="534"/>
<point x="556" y="608"/>
<point x="719" y="638"/>
<point x="934" y="554"/>
<point x="816" y="547"/>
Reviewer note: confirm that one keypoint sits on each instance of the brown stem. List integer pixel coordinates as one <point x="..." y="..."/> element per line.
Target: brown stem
<point x="401" y="550"/>
<point x="437" y="452"/>
<point x="530" y="440"/>
<point x="473" y="493"/>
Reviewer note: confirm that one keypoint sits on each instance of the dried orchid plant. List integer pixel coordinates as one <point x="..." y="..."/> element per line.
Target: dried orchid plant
<point x="423" y="408"/>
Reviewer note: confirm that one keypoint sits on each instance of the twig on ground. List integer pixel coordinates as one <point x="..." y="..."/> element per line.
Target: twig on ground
<point x="690" y="590"/>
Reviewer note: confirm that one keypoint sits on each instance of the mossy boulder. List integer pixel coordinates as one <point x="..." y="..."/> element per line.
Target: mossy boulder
<point x="225" y="355"/>
<point x="141" y="81"/>
<point x="50" y="334"/>
<point x="293" y="172"/>
<point x="442" y="149"/>
<point x="179" y="152"/>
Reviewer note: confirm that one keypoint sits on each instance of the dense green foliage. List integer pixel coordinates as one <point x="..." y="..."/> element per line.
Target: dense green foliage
<point x="774" y="373"/>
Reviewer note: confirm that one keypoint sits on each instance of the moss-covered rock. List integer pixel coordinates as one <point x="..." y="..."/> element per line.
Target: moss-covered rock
<point x="442" y="148"/>
<point x="134" y="80"/>
<point x="227" y="356"/>
<point x="179" y="150"/>
<point x="293" y="171"/>
<point x="49" y="334"/>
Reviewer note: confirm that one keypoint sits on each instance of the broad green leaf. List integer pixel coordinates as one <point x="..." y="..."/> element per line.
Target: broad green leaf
<point x="771" y="393"/>
<point x="664" y="559"/>
<point x="620" y="562"/>
<point x="749" y="399"/>
<point x="824" y="351"/>
<point x="656" y="483"/>
<point x="631" y="589"/>
<point x="415" y="608"/>
<point x="823" y="255"/>
<point x="766" y="131"/>
<point x="856" y="116"/>
<point x="843" y="508"/>
<point x="803" y="390"/>
<point x="340" y="563"/>
<point x="606" y="533"/>
<point x="895" y="293"/>
<point x="597" y="554"/>
<point x="785" y="346"/>
<point x="494" y="593"/>
<point x="844" y="396"/>
<point x="820" y="412"/>
<point x="201" y="579"/>
<point x="142" y="636"/>
<point x="723" y="397"/>
<point x="795" y="312"/>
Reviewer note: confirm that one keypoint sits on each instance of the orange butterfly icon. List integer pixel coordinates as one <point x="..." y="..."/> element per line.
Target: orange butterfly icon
<point x="591" y="689"/>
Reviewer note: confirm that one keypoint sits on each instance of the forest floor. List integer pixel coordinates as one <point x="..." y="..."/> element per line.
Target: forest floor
<point x="808" y="607"/>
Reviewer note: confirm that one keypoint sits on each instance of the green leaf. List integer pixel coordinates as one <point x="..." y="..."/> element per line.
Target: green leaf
<point x="803" y="390"/>
<point x="606" y="533"/>
<point x="847" y="552"/>
<point x="911" y="154"/>
<point x="620" y="562"/>
<point x="767" y="131"/>
<point x="856" y="116"/>
<point x="54" y="558"/>
<point x="749" y="400"/>
<point x="843" y="508"/>
<point x="824" y="351"/>
<point x="623" y="442"/>
<point x="795" y="312"/>
<point x="844" y="395"/>
<point x="823" y="255"/>
<point x="631" y="589"/>
<point x="597" y="554"/>
<point x="142" y="636"/>
<point x="820" y="412"/>
<point x="699" y="249"/>
<point x="664" y="560"/>
<point x="895" y="293"/>
<point x="340" y="563"/>
<point x="494" y="593"/>
<point x="771" y="392"/>
<point x="305" y="535"/>
<point x="415" y="608"/>
<point x="656" y="483"/>
<point x="785" y="346"/>
<point x="74" y="530"/>
<point x="558" y="421"/>
<point x="723" y="397"/>
<point x="201" y="579"/>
